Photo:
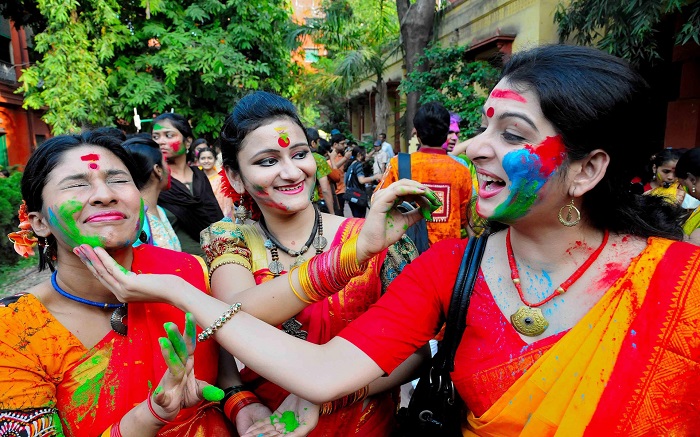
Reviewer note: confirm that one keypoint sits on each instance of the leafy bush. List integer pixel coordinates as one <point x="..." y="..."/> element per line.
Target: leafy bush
<point x="10" y="199"/>
<point x="459" y="84"/>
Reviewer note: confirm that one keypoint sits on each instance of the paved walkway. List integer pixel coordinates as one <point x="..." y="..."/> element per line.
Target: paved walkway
<point x="23" y="279"/>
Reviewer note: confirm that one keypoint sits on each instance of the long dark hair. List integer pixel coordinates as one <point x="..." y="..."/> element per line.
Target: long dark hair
<point x="45" y="159"/>
<point x="596" y="101"/>
<point x="689" y="163"/>
<point x="251" y="112"/>
<point x="145" y="153"/>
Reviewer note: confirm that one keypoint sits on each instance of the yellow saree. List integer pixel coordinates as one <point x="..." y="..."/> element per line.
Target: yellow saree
<point x="629" y="367"/>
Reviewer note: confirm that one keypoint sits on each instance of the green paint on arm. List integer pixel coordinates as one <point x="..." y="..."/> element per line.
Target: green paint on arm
<point x="212" y="393"/>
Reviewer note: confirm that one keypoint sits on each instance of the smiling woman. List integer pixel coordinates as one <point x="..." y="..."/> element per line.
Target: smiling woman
<point x="88" y="365"/>
<point x="272" y="173"/>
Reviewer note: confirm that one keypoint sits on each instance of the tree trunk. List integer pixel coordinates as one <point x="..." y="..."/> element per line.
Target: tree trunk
<point x="381" y="108"/>
<point x="416" y="22"/>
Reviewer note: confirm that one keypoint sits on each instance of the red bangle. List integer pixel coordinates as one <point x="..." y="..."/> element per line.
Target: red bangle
<point x="116" y="431"/>
<point x="237" y="402"/>
<point x="150" y="408"/>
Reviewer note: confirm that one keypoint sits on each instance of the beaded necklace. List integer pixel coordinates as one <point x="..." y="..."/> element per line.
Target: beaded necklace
<point x="529" y="320"/>
<point x="315" y="240"/>
<point x="116" y="321"/>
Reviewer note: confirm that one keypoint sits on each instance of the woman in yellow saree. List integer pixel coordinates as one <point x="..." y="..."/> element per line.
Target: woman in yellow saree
<point x="584" y="317"/>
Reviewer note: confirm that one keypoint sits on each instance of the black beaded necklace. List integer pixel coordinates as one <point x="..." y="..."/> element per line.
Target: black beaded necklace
<point x="315" y="240"/>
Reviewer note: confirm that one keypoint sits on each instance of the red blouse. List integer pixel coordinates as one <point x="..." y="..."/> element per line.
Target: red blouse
<point x="491" y="355"/>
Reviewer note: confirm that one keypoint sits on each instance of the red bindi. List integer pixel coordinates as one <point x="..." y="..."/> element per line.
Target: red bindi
<point x="90" y="157"/>
<point x="489" y="112"/>
<point x="93" y="166"/>
<point x="507" y="94"/>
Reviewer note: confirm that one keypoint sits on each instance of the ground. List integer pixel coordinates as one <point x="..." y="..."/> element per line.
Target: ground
<point x="22" y="279"/>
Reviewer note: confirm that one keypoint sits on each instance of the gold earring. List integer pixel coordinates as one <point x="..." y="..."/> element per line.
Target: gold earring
<point x="569" y="221"/>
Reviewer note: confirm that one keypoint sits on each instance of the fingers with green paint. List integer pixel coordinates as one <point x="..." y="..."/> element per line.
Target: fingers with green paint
<point x="212" y="393"/>
<point x="435" y="202"/>
<point x="190" y="332"/>
<point x="425" y="211"/>
<point x="172" y="359"/>
<point x="178" y="343"/>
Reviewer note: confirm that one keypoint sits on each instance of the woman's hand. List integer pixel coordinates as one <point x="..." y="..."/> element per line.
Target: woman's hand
<point x="385" y="224"/>
<point x="128" y="286"/>
<point x="254" y="414"/>
<point x="179" y="388"/>
<point x="305" y="414"/>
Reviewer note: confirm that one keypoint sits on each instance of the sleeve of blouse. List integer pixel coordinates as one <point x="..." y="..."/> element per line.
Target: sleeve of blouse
<point x="412" y="310"/>
<point x="224" y="243"/>
<point x="398" y="256"/>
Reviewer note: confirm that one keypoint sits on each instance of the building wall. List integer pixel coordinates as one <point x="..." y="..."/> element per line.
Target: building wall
<point x="470" y="22"/>
<point x="23" y="129"/>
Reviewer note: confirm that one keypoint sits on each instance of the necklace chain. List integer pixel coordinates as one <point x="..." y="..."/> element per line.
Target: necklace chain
<point x="515" y="276"/>
<point x="316" y="240"/>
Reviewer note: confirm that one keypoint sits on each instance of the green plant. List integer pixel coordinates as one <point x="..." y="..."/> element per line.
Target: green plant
<point x="460" y="84"/>
<point x="626" y="28"/>
<point x="10" y="199"/>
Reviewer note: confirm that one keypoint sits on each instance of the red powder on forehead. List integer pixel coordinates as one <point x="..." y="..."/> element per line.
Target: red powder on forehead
<point x="507" y="94"/>
<point x="551" y="152"/>
<point x="90" y="157"/>
<point x="489" y="112"/>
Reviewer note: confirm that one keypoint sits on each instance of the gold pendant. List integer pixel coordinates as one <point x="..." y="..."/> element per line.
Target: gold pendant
<point x="529" y="321"/>
<point x="298" y="261"/>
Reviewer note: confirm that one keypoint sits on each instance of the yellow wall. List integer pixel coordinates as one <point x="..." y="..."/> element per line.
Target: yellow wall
<point x="471" y="21"/>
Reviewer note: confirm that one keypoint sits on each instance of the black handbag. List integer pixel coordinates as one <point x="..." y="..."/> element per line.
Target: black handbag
<point x="435" y="408"/>
<point x="354" y="191"/>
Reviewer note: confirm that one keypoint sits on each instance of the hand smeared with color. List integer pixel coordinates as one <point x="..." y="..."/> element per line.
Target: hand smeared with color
<point x="528" y="169"/>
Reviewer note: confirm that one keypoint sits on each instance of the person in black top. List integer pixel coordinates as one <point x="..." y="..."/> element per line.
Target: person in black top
<point x="190" y="203"/>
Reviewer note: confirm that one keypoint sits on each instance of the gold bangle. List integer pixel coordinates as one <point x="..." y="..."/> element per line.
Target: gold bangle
<point x="218" y="323"/>
<point x="291" y="285"/>
<point x="218" y="264"/>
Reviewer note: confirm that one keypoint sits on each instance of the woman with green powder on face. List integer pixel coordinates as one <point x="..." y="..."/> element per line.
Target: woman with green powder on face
<point x="190" y="202"/>
<point x="583" y="319"/>
<point x="76" y="361"/>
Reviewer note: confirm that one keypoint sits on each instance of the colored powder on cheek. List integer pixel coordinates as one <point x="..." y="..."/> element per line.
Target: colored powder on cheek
<point x="64" y="222"/>
<point x="507" y="94"/>
<point x="489" y="112"/>
<point x="528" y="170"/>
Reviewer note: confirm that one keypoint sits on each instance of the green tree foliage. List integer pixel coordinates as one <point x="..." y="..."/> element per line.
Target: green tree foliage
<point x="10" y="199"/>
<point x="360" y="37"/>
<point x="626" y="28"/>
<point x="103" y="58"/>
<point x="451" y="79"/>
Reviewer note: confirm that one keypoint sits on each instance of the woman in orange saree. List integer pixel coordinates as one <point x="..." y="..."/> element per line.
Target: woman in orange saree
<point x="612" y="350"/>
<point x="273" y="175"/>
<point x="63" y="371"/>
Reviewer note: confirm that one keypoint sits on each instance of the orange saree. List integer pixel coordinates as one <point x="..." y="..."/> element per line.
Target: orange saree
<point x="629" y="367"/>
<point x="91" y="389"/>
<point x="323" y="320"/>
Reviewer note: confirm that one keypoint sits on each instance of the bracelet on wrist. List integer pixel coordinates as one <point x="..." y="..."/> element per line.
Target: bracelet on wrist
<point x="236" y="402"/>
<point x="218" y="323"/>
<point x="149" y="401"/>
<point x="353" y="398"/>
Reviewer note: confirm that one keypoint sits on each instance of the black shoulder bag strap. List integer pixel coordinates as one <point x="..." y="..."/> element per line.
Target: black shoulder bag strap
<point x="404" y="165"/>
<point x="459" y="304"/>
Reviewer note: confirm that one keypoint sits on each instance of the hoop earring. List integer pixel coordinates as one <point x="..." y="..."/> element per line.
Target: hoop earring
<point x="569" y="221"/>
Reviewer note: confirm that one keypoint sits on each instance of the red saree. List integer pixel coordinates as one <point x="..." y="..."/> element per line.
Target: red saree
<point x="92" y="389"/>
<point x="324" y="320"/>
<point x="629" y="367"/>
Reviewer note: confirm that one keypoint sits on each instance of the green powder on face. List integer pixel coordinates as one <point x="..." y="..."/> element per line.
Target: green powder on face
<point x="157" y="127"/>
<point x="65" y="223"/>
<point x="212" y="394"/>
<point x="289" y="419"/>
